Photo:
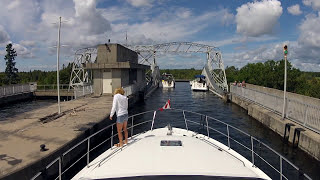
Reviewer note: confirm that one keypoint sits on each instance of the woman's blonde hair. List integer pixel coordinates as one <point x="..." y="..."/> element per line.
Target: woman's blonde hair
<point x="119" y="91"/>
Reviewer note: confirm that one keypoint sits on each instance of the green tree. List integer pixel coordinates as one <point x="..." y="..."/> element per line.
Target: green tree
<point x="232" y="73"/>
<point x="11" y="71"/>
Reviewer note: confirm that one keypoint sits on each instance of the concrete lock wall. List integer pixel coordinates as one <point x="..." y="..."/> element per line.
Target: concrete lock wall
<point x="301" y="109"/>
<point x="276" y="92"/>
<point x="110" y="57"/>
<point x="107" y="53"/>
<point x="116" y="79"/>
<point x="97" y="82"/>
<point x="124" y="77"/>
<point x="309" y="140"/>
<point x="112" y="53"/>
<point x="140" y="75"/>
<point x="125" y="54"/>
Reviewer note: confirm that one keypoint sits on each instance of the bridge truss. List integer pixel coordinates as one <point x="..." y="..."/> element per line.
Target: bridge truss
<point x="81" y="78"/>
<point x="213" y="70"/>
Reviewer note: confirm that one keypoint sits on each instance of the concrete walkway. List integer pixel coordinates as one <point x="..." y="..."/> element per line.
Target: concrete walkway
<point x="22" y="135"/>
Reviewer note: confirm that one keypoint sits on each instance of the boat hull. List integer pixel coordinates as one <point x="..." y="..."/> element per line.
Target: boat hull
<point x="195" y="155"/>
<point x="197" y="86"/>
<point x="168" y="84"/>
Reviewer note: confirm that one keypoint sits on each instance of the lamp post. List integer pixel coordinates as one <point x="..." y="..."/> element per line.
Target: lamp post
<point x="285" y="53"/>
<point x="58" y="54"/>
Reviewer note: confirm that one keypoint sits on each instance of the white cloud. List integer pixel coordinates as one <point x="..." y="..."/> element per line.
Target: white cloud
<point x="307" y="66"/>
<point x="303" y="53"/>
<point x="116" y="13"/>
<point x="294" y="10"/>
<point x="310" y="31"/>
<point x="82" y="25"/>
<point x="28" y="43"/>
<point x="85" y="25"/>
<point x="91" y="19"/>
<point x="299" y="55"/>
<point x="185" y="14"/>
<point x="170" y="25"/>
<point x="237" y="40"/>
<point x="315" y="4"/>
<point x="4" y="36"/>
<point x="258" y="18"/>
<point x="2" y="52"/>
<point x="140" y="3"/>
<point x="18" y="16"/>
<point x="23" y="52"/>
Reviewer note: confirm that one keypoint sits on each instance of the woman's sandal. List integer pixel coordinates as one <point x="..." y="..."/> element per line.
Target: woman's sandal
<point x="117" y="145"/>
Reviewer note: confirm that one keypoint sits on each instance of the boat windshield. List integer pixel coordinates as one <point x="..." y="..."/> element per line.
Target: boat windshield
<point x="181" y="177"/>
<point x="167" y="76"/>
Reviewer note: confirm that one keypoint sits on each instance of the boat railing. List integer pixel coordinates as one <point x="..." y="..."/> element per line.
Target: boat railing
<point x="253" y="147"/>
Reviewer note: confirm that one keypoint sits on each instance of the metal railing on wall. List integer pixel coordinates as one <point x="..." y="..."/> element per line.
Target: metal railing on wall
<point x="307" y="115"/>
<point x="16" y="89"/>
<point x="51" y="87"/>
<point x="80" y="91"/>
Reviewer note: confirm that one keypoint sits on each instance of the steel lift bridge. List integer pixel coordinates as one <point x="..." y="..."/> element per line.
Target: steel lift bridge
<point x="81" y="78"/>
<point x="213" y="70"/>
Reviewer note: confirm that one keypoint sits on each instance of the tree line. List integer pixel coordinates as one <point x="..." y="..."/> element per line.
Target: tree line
<point x="182" y="74"/>
<point x="41" y="77"/>
<point x="269" y="74"/>
<point x="12" y="76"/>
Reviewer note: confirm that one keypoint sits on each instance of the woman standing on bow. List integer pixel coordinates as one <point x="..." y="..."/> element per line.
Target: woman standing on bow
<point x="120" y="107"/>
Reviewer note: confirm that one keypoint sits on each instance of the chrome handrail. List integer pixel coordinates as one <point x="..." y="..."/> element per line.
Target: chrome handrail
<point x="186" y="120"/>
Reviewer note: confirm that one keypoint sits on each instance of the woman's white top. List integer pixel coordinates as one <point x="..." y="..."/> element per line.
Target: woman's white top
<point x="119" y="105"/>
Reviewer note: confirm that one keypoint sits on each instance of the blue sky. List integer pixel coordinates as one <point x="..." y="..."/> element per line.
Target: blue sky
<point x="245" y="31"/>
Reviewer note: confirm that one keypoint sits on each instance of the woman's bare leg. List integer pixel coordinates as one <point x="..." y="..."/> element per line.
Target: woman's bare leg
<point x="125" y="131"/>
<point x="119" y="128"/>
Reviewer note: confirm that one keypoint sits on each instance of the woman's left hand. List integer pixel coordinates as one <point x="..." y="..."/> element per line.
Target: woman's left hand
<point x="110" y="117"/>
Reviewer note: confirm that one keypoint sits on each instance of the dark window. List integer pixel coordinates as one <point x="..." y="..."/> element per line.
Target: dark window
<point x="171" y="143"/>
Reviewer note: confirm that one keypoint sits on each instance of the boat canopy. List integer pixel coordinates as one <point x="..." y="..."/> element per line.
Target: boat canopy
<point x="200" y="76"/>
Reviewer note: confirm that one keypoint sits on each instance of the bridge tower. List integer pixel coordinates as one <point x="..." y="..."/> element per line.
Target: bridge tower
<point x="81" y="78"/>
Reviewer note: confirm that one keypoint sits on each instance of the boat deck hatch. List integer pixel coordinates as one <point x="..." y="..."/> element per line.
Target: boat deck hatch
<point x="171" y="143"/>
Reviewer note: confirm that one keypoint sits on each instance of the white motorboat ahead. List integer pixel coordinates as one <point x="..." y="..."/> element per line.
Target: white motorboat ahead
<point x="167" y="81"/>
<point x="199" y="84"/>
<point x="184" y="152"/>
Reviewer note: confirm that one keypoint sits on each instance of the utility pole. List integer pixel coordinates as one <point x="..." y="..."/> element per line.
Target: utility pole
<point x="126" y="39"/>
<point x="285" y="53"/>
<point x="58" y="54"/>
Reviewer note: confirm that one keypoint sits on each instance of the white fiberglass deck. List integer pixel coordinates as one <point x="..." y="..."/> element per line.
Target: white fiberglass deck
<point x="143" y="156"/>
